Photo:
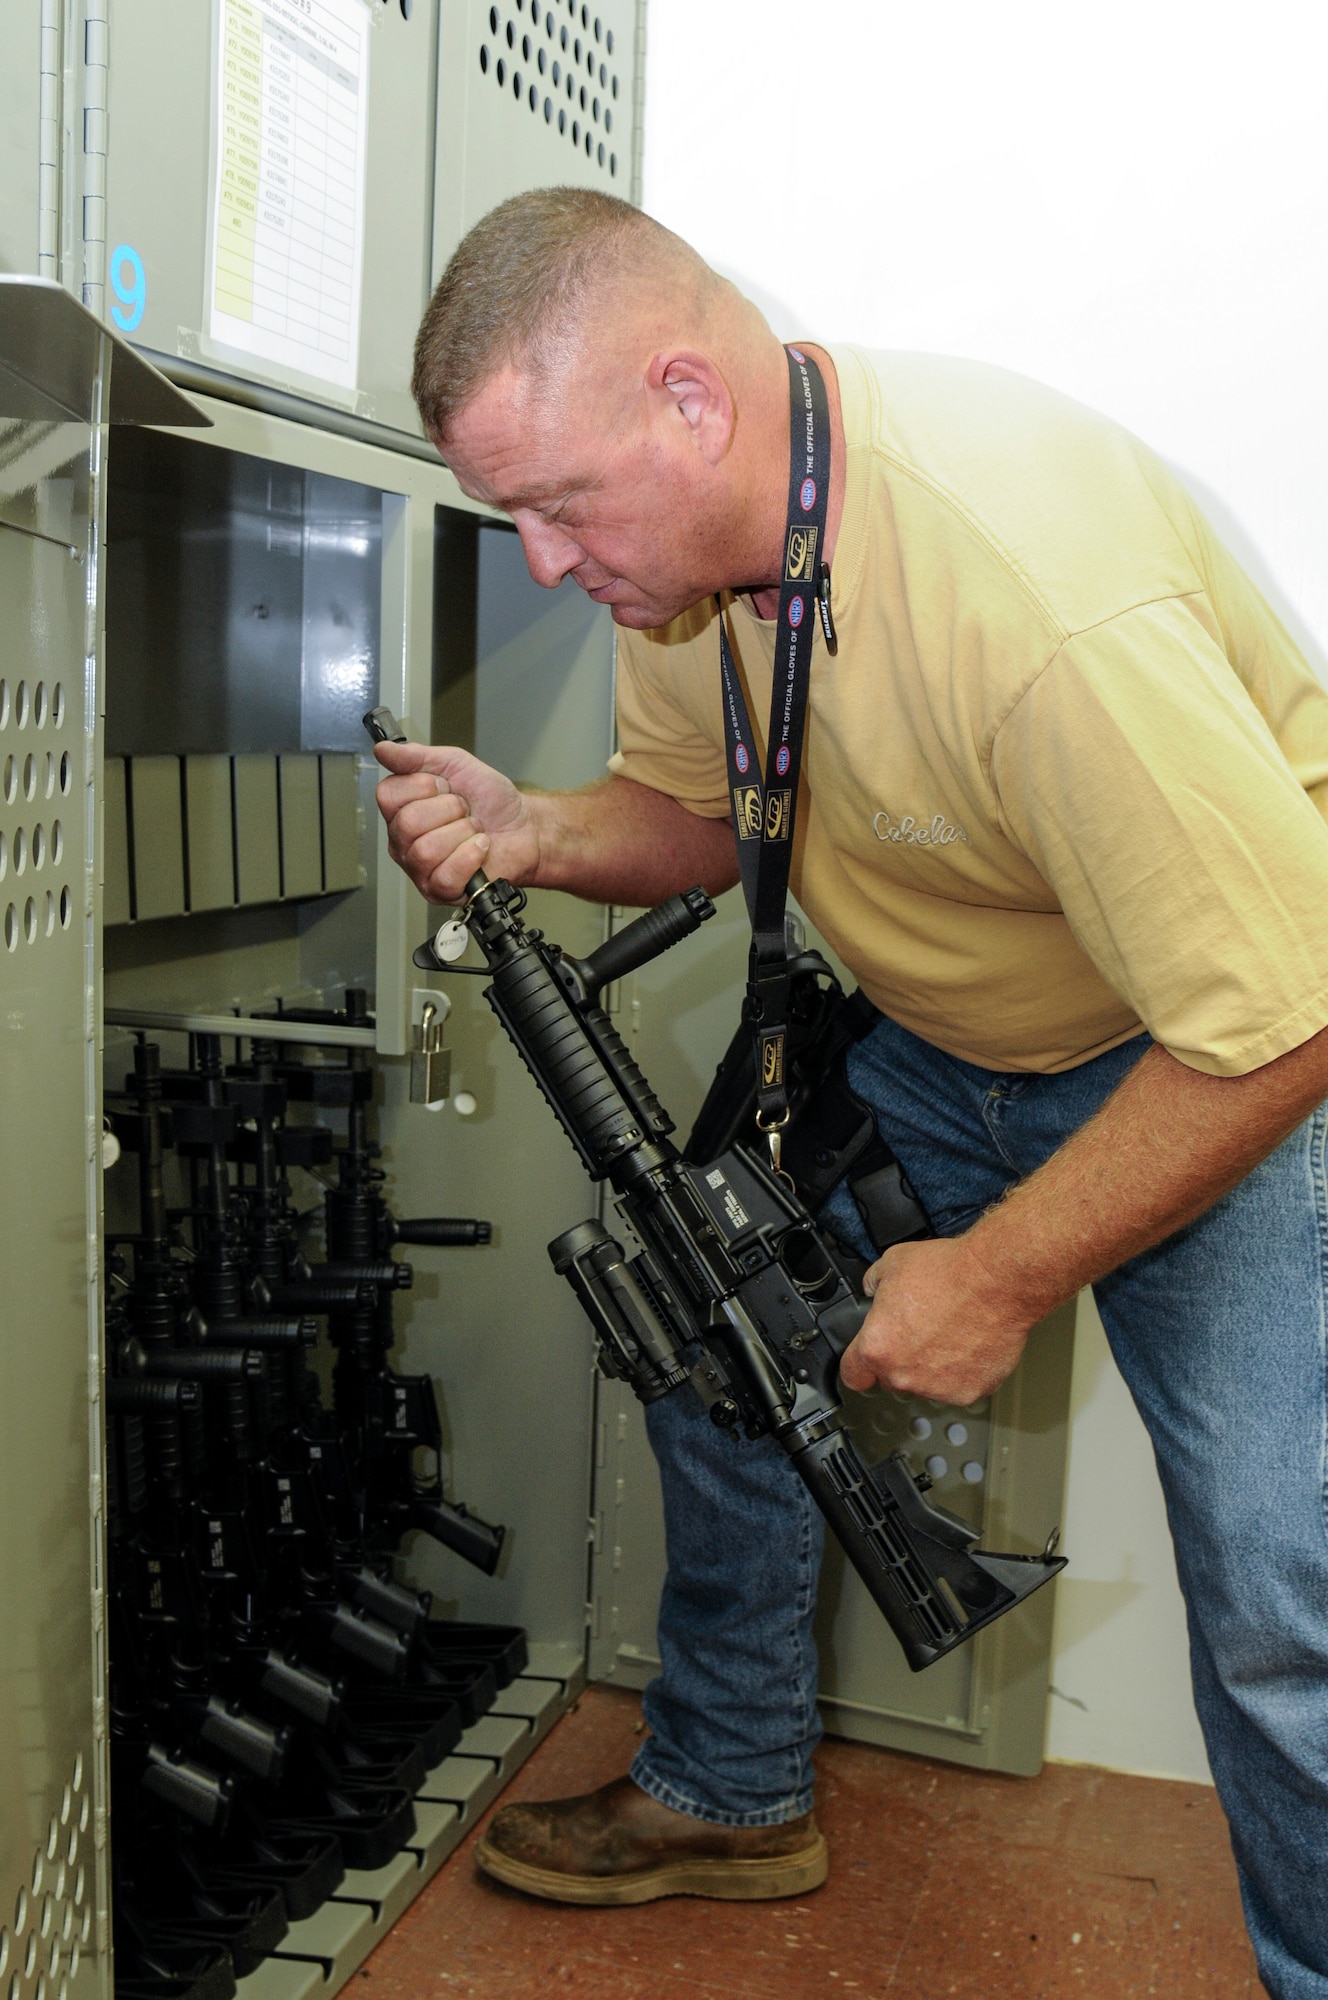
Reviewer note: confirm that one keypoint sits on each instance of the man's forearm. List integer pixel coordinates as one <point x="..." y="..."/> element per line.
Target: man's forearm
<point x="950" y="1315"/>
<point x="1164" y="1147"/>
<point x="620" y="842"/>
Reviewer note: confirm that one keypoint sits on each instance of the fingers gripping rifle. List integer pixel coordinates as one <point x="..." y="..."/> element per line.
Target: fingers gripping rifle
<point x="733" y="1286"/>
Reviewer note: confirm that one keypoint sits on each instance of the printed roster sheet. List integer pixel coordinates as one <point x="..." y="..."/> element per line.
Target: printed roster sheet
<point x="288" y="205"/>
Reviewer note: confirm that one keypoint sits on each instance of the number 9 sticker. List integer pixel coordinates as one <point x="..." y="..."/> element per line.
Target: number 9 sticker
<point x="130" y="285"/>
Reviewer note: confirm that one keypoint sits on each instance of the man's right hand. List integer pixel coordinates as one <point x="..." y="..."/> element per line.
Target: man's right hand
<point x="448" y="814"/>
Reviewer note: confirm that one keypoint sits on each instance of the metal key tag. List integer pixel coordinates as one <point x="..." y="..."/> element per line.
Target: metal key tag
<point x="431" y="1063"/>
<point x="450" y="941"/>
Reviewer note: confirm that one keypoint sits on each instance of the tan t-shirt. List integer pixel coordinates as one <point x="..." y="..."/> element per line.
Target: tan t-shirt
<point x="1067" y="774"/>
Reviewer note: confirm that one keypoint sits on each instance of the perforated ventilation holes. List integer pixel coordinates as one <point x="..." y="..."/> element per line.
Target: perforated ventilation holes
<point x="42" y="1947"/>
<point x="556" y="62"/>
<point x="36" y="780"/>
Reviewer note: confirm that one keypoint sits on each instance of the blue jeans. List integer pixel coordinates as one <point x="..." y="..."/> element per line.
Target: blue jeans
<point x="1220" y="1335"/>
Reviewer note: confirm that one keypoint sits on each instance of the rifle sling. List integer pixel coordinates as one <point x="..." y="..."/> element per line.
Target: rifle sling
<point x="765" y="803"/>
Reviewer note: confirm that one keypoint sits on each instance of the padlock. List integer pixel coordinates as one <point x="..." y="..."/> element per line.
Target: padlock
<point x="431" y="1063"/>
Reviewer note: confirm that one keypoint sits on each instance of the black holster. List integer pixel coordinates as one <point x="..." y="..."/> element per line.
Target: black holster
<point x="832" y="1133"/>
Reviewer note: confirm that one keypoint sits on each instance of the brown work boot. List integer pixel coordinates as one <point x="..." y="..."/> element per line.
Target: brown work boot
<point x="618" y="1845"/>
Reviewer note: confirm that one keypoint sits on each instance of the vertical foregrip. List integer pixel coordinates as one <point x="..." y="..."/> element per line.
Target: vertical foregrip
<point x="646" y="937"/>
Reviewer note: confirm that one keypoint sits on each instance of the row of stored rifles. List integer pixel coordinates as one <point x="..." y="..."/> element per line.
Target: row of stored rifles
<point x="277" y="1695"/>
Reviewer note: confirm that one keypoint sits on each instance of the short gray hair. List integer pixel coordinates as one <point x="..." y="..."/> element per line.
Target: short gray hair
<point x="515" y="284"/>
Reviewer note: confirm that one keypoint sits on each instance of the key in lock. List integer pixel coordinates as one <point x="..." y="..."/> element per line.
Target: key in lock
<point x="430" y="1063"/>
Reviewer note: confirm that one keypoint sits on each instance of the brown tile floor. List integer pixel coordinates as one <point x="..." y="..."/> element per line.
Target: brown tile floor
<point x="943" y="1882"/>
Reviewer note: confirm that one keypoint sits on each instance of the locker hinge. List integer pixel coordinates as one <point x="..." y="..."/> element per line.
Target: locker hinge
<point x="96" y="60"/>
<point x="49" y="147"/>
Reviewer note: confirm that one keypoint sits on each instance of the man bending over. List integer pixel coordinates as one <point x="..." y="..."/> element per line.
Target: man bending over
<point x="1063" y="814"/>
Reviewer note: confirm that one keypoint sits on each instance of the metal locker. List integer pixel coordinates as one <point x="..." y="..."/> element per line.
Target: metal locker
<point x="258" y="594"/>
<point x="61" y="378"/>
<point x="288" y="149"/>
<point x="534" y="96"/>
<point x="493" y="1326"/>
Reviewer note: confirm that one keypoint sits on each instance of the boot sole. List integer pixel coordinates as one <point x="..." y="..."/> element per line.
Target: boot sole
<point x="756" y="1881"/>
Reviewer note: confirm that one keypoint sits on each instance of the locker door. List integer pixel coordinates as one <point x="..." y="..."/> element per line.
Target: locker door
<point x="54" y="389"/>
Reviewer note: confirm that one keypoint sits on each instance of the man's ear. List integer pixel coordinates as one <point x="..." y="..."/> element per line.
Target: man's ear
<point x="699" y="395"/>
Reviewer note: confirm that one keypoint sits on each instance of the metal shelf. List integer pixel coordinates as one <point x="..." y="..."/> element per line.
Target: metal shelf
<point x="318" y="1956"/>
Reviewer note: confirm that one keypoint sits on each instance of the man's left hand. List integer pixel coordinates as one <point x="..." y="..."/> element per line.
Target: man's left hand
<point x="935" y="1328"/>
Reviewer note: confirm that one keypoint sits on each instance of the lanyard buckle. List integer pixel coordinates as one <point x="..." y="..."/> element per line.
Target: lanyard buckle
<point x="772" y="1130"/>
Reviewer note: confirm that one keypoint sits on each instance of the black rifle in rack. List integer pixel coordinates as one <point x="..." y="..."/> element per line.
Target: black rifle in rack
<point x="264" y="1501"/>
<point x="733" y="1287"/>
<point x="386" y="1417"/>
<point x="276" y="1696"/>
<point x="164" y="1693"/>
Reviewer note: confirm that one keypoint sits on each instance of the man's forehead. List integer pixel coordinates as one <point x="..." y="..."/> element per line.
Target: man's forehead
<point x="521" y="445"/>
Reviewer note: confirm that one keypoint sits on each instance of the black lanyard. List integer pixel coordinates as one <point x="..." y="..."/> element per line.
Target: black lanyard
<point x="764" y="806"/>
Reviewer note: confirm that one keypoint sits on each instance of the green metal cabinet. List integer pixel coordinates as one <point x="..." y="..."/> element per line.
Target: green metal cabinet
<point x="62" y="381"/>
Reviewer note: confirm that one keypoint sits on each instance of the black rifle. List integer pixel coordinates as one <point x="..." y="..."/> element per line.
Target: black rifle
<point x="387" y="1419"/>
<point x="275" y="1696"/>
<point x="734" y="1288"/>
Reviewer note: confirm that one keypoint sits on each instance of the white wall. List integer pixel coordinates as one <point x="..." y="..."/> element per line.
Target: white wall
<point x="1129" y="202"/>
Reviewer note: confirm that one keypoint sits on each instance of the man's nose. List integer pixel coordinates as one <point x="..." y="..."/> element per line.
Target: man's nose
<point x="550" y="552"/>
